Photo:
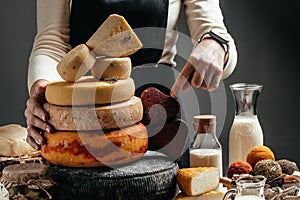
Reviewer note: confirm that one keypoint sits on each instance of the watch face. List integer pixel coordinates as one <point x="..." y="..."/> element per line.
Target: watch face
<point x="221" y="38"/>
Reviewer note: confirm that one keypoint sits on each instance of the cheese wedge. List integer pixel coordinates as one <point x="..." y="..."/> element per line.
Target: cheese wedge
<point x="116" y="115"/>
<point x="212" y="195"/>
<point x="93" y="149"/>
<point x="198" y="180"/>
<point x="106" y="67"/>
<point x="13" y="141"/>
<point x="76" y="63"/>
<point x="114" y="38"/>
<point x="89" y="91"/>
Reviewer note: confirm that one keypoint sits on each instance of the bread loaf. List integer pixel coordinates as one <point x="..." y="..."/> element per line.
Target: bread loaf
<point x="88" y="91"/>
<point x="110" y="116"/>
<point x="106" y="67"/>
<point x="76" y="63"/>
<point x="114" y="38"/>
<point x="13" y="141"/>
<point x="95" y="148"/>
<point x="198" y="180"/>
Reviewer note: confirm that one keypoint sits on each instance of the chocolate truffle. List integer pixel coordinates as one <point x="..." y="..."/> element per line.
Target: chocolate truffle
<point x="267" y="168"/>
<point x="239" y="167"/>
<point x="259" y="153"/>
<point x="287" y="166"/>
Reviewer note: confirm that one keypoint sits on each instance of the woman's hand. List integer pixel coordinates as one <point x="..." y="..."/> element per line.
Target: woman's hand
<point x="203" y="69"/>
<point x="36" y="116"/>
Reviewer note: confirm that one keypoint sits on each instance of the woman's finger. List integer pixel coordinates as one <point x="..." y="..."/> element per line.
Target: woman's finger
<point x="34" y="107"/>
<point x="197" y="79"/>
<point x="34" y="137"/>
<point x="181" y="79"/>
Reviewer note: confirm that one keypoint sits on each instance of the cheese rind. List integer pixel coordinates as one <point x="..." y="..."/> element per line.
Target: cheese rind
<point x="117" y="115"/>
<point x="106" y="67"/>
<point x="198" y="180"/>
<point x="212" y="195"/>
<point x="13" y="141"/>
<point x="88" y="91"/>
<point x="150" y="178"/>
<point x="76" y="63"/>
<point x="96" y="148"/>
<point x="114" y="38"/>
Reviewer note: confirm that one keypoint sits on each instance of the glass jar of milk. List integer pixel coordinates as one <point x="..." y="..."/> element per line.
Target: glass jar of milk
<point x="206" y="150"/>
<point x="246" y="131"/>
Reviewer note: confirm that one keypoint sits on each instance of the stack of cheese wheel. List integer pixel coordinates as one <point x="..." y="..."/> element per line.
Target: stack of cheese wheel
<point x="97" y="118"/>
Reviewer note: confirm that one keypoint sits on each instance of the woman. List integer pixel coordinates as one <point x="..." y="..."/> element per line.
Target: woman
<point x="63" y="24"/>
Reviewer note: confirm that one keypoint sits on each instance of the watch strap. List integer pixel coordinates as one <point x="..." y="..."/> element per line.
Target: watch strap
<point x="224" y="42"/>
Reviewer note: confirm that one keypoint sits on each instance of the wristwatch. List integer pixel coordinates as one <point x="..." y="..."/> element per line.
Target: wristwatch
<point x="220" y="38"/>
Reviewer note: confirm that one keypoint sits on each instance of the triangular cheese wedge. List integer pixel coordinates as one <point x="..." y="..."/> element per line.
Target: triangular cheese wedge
<point x="114" y="38"/>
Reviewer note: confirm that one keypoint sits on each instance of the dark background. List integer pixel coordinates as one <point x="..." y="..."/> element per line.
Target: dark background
<point x="267" y="38"/>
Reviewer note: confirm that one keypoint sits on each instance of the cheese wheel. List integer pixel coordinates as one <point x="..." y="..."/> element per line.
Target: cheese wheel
<point x="93" y="149"/>
<point x="106" y="67"/>
<point x="88" y="91"/>
<point x="76" y="63"/>
<point x="13" y="141"/>
<point x="114" y="38"/>
<point x="153" y="177"/>
<point x="95" y="117"/>
<point x="198" y="180"/>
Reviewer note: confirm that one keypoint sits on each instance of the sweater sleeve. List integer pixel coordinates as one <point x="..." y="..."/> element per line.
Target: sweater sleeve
<point x="203" y="15"/>
<point x="51" y="40"/>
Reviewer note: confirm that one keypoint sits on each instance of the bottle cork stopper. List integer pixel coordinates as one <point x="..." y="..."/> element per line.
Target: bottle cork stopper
<point x="205" y="123"/>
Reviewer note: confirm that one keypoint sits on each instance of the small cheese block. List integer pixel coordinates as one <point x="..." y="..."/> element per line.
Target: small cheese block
<point x="116" y="115"/>
<point x="76" y="63"/>
<point x="89" y="91"/>
<point x="96" y="148"/>
<point x="212" y="195"/>
<point x="106" y="67"/>
<point x="13" y="141"/>
<point x="114" y="38"/>
<point x="198" y="180"/>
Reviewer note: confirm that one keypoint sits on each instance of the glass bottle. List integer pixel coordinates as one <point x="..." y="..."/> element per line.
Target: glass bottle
<point x="206" y="150"/>
<point x="246" y="131"/>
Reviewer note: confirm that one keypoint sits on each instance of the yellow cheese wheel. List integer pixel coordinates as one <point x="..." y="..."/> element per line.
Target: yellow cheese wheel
<point x="115" y="115"/>
<point x="106" y="67"/>
<point x="89" y="91"/>
<point x="76" y="63"/>
<point x="93" y="149"/>
<point x="114" y="38"/>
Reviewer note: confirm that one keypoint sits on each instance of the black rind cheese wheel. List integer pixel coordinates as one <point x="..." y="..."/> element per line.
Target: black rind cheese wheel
<point x="153" y="177"/>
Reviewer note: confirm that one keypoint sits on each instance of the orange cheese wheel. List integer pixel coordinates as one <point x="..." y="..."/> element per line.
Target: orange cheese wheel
<point x="94" y="149"/>
<point x="89" y="91"/>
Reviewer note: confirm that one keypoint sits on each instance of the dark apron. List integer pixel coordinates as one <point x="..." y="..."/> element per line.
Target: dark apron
<point x="88" y="15"/>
